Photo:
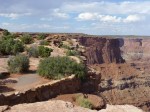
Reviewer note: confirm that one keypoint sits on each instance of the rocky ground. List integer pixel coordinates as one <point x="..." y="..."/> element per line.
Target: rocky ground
<point x="61" y="106"/>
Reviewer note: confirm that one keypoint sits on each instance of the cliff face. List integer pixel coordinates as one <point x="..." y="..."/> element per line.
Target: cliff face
<point x="101" y="50"/>
<point x="135" y="49"/>
<point x="121" y="82"/>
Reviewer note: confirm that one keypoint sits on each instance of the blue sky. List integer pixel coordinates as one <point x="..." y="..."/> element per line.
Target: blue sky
<point x="100" y="17"/>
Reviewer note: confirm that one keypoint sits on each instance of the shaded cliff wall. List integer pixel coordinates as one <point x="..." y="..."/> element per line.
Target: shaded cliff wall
<point x="101" y="50"/>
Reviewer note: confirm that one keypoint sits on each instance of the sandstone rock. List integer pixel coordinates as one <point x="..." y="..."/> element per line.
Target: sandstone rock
<point x="121" y="108"/>
<point x="61" y="106"/>
<point x="3" y="108"/>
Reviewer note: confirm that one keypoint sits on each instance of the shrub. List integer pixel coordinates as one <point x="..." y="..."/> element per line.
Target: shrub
<point x="72" y="53"/>
<point x="10" y="46"/>
<point x="18" y="64"/>
<point x="6" y="32"/>
<point x="65" y="46"/>
<point x="27" y="39"/>
<point x="41" y="37"/>
<point x="84" y="102"/>
<point x="44" y="51"/>
<point x="56" y="67"/>
<point x="33" y="52"/>
<point x="44" y="42"/>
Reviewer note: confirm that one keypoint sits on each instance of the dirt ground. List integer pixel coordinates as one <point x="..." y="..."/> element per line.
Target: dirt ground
<point x="20" y="82"/>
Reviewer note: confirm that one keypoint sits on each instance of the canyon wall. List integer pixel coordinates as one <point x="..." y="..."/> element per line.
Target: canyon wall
<point x="135" y="49"/>
<point x="101" y="50"/>
<point x="124" y="68"/>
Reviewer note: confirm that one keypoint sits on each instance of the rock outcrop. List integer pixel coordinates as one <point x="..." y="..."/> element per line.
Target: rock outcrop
<point x="61" y="106"/>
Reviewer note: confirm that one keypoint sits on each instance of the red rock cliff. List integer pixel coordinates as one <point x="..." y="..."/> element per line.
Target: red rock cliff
<point x="101" y="50"/>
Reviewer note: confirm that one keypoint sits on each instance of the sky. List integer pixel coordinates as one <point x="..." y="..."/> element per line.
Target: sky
<point x="98" y="17"/>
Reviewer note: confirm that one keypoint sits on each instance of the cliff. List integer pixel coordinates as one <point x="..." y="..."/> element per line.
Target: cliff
<point x="123" y="65"/>
<point x="101" y="50"/>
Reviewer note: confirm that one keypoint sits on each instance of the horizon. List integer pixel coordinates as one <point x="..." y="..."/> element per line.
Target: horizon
<point x="92" y="17"/>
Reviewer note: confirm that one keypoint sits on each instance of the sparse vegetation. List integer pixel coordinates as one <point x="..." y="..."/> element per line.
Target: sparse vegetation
<point x="44" y="42"/>
<point x="41" y="36"/>
<point x="6" y="33"/>
<point x="44" y="51"/>
<point x="18" y="64"/>
<point x="56" y="67"/>
<point x="27" y="39"/>
<point x="65" y="46"/>
<point x="33" y="51"/>
<point x="72" y="53"/>
<point x="10" y="46"/>
<point x="84" y="102"/>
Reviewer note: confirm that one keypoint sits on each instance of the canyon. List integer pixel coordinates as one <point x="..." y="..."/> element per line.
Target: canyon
<point x="118" y="72"/>
<point x="123" y="65"/>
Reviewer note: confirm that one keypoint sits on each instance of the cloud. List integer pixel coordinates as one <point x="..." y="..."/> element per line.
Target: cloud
<point x="64" y="15"/>
<point x="86" y="16"/>
<point x="133" y="18"/>
<point x="104" y="7"/>
<point x="59" y="14"/>
<point x="13" y="15"/>
<point x="108" y="18"/>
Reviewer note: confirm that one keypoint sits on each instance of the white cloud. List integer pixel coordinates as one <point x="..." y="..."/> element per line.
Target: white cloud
<point x="133" y="18"/>
<point x="86" y="16"/>
<point x="104" y="7"/>
<point x="109" y="18"/>
<point x="13" y="15"/>
<point x="59" y="14"/>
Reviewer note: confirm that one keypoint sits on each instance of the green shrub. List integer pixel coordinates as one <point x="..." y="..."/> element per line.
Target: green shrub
<point x="33" y="52"/>
<point x="27" y="39"/>
<point x="41" y="36"/>
<point x="10" y="46"/>
<point x="18" y="64"/>
<point x="72" y="53"/>
<point x="44" y="51"/>
<point x="84" y="102"/>
<point x="44" y="42"/>
<point x="65" y="46"/>
<point x="56" y="67"/>
<point x="6" y="32"/>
